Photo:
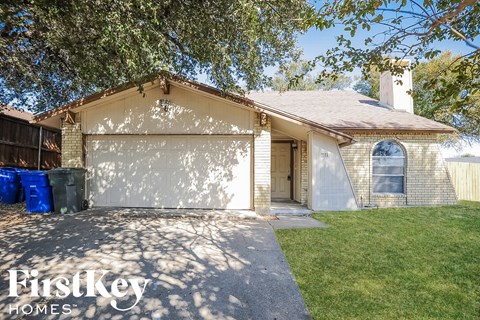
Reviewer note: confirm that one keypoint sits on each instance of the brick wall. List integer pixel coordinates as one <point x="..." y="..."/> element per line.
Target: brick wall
<point x="262" y="163"/>
<point x="72" y="145"/>
<point x="426" y="179"/>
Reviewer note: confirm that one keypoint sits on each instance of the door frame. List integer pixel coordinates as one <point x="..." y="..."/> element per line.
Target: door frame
<point x="292" y="167"/>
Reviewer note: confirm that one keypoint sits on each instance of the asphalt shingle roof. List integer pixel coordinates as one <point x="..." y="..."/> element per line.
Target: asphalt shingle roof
<point x="343" y="110"/>
<point x="15" y="113"/>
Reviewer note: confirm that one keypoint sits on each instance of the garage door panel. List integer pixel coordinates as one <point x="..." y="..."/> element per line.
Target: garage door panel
<point x="177" y="143"/>
<point x="170" y="172"/>
<point x="159" y="198"/>
<point x="161" y="144"/>
<point x="110" y="176"/>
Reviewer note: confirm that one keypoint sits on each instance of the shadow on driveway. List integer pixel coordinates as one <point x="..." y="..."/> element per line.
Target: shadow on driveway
<point x="198" y="268"/>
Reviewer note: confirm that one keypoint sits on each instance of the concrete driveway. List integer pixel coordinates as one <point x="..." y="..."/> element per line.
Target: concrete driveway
<point x="197" y="268"/>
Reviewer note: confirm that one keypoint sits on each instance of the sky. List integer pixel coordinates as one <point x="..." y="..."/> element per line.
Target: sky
<point x="316" y="42"/>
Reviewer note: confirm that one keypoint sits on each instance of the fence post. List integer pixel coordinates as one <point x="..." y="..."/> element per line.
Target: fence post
<point x="40" y="147"/>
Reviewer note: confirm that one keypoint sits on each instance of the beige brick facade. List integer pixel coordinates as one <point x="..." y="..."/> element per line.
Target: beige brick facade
<point x="262" y="163"/>
<point x="72" y="145"/>
<point x="426" y="179"/>
<point x="304" y="173"/>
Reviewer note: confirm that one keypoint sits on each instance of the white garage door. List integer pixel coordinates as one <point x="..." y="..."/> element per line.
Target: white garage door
<point x="170" y="171"/>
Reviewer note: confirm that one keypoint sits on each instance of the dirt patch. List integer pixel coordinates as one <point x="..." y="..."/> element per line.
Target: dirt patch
<point x="13" y="214"/>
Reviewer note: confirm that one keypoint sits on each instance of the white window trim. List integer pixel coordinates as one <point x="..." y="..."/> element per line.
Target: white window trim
<point x="404" y="157"/>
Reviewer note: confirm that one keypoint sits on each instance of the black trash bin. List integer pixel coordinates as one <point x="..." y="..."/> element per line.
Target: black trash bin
<point x="68" y="186"/>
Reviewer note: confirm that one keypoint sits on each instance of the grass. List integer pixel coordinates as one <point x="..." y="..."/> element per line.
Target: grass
<point x="401" y="263"/>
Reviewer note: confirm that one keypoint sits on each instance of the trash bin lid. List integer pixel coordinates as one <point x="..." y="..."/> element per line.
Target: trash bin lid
<point x="9" y="173"/>
<point x="66" y="170"/>
<point x="32" y="173"/>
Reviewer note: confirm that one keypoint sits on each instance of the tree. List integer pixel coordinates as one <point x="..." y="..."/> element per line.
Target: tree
<point x="336" y="82"/>
<point x="426" y="104"/>
<point x="52" y="52"/>
<point x="294" y="76"/>
<point x="464" y="117"/>
<point x="297" y="76"/>
<point x="369" y="87"/>
<point x="403" y="29"/>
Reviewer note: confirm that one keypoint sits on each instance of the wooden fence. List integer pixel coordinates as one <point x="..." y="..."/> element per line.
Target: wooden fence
<point x="466" y="179"/>
<point x="19" y="144"/>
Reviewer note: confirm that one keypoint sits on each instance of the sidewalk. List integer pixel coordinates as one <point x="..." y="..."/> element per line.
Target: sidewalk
<point x="295" y="222"/>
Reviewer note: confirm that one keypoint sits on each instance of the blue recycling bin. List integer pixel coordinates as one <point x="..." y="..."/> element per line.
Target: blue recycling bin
<point x="21" y="189"/>
<point x="38" y="193"/>
<point x="9" y="185"/>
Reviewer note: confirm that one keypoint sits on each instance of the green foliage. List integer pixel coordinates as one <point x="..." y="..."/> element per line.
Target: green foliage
<point x="336" y="82"/>
<point x="52" y="52"/>
<point x="369" y="87"/>
<point x="406" y="29"/>
<point x="294" y="76"/>
<point x="428" y="77"/>
<point x="297" y="76"/>
<point x="400" y="263"/>
<point x="438" y="74"/>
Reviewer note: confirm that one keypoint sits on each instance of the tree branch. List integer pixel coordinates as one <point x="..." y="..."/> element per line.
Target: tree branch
<point x="461" y="36"/>
<point x="445" y="20"/>
<point x="413" y="13"/>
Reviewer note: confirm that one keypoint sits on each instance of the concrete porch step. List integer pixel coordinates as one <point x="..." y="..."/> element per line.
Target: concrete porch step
<point x="288" y="207"/>
<point x="290" y="212"/>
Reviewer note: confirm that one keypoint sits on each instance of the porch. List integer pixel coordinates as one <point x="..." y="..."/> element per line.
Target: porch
<point x="298" y="169"/>
<point x="288" y="207"/>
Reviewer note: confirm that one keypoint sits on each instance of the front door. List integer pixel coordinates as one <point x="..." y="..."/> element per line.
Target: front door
<point x="281" y="175"/>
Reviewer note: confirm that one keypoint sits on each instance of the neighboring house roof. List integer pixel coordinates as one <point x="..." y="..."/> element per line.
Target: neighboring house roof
<point x="464" y="159"/>
<point x="15" y="113"/>
<point x="346" y="110"/>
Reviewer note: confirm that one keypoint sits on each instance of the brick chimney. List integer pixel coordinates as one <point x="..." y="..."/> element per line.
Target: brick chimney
<point x="395" y="95"/>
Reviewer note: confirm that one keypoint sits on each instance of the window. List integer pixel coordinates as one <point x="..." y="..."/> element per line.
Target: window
<point x="388" y="168"/>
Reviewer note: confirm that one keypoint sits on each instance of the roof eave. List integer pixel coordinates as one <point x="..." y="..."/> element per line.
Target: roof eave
<point x="446" y="130"/>
<point x="343" y="137"/>
<point x="81" y="102"/>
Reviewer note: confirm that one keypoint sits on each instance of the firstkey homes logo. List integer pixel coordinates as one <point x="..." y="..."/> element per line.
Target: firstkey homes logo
<point x="85" y="283"/>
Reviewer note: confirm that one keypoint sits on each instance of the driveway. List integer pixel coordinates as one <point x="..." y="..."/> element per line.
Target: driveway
<point x="197" y="268"/>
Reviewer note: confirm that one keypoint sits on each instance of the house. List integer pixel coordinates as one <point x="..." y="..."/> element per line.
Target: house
<point x="20" y="141"/>
<point x="183" y="144"/>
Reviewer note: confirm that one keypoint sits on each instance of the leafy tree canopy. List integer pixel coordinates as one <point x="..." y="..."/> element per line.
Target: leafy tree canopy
<point x="369" y="86"/>
<point x="401" y="29"/>
<point x="463" y="116"/>
<point x="52" y="52"/>
<point x="297" y="76"/>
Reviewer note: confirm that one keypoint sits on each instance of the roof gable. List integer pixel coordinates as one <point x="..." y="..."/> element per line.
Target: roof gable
<point x="179" y="112"/>
<point x="166" y="80"/>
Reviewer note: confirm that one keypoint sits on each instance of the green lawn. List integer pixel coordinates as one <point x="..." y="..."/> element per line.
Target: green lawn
<point x="403" y="263"/>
